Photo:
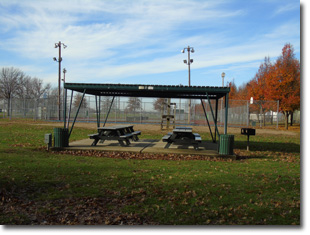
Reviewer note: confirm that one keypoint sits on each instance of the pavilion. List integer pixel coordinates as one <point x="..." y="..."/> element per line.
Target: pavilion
<point x="156" y="91"/>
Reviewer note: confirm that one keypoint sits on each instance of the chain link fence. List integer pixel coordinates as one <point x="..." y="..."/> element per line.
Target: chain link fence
<point x="146" y="110"/>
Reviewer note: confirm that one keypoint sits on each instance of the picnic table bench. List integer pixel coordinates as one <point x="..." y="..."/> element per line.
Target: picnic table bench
<point x="122" y="133"/>
<point x="182" y="136"/>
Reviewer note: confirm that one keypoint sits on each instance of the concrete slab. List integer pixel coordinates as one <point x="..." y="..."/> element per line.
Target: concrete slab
<point x="146" y="146"/>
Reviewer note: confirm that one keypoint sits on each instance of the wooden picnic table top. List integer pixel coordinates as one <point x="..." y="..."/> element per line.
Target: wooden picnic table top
<point x="183" y="130"/>
<point x="117" y="127"/>
<point x="122" y="133"/>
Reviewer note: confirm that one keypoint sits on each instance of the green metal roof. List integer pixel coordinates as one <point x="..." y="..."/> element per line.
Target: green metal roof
<point x="139" y="90"/>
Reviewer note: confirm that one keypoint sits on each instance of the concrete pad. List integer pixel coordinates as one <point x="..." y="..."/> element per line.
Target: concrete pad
<point x="146" y="146"/>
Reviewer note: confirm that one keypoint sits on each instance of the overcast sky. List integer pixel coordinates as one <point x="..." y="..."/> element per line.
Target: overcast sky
<point x="140" y="42"/>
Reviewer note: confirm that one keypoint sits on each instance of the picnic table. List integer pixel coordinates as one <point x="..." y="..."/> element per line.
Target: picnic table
<point x="122" y="133"/>
<point x="182" y="136"/>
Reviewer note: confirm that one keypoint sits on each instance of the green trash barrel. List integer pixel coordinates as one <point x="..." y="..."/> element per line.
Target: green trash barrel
<point x="61" y="137"/>
<point x="226" y="145"/>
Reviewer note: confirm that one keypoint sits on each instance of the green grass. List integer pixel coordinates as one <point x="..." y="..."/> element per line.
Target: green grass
<point x="40" y="187"/>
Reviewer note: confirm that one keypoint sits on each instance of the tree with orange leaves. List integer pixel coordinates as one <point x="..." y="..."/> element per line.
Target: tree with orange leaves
<point x="258" y="87"/>
<point x="283" y="83"/>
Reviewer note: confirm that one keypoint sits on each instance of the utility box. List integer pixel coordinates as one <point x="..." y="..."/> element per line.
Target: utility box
<point x="48" y="140"/>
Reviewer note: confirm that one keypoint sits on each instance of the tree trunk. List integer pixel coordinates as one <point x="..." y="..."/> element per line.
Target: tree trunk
<point x="9" y="106"/>
<point x="286" y="115"/>
<point x="292" y="114"/>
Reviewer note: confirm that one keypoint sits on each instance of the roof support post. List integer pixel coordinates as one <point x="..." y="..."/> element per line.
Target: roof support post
<point x="69" y="112"/>
<point x="226" y="114"/>
<point x="97" y="116"/>
<point x="77" y="112"/>
<point x="215" y="124"/>
<point x="65" y="107"/>
<point x="99" y="111"/>
<point x="216" y="111"/>
<point x="204" y="110"/>
<point x="108" y="112"/>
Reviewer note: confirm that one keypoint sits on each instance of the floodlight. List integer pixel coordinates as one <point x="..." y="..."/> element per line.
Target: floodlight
<point x="185" y="61"/>
<point x="182" y="51"/>
<point x="192" y="60"/>
<point x="54" y="59"/>
<point x="192" y="50"/>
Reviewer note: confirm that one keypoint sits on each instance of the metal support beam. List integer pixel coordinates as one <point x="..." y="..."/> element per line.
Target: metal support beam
<point x="65" y="107"/>
<point x="216" y="112"/>
<point x="108" y="112"/>
<point x="215" y="125"/>
<point x="204" y="110"/>
<point x="97" y="116"/>
<point x="99" y="109"/>
<point x="69" y="112"/>
<point x="226" y="114"/>
<point x="77" y="112"/>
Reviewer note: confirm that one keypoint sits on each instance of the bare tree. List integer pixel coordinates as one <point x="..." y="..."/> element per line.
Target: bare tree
<point x="133" y="104"/>
<point x="77" y="100"/>
<point x="158" y="103"/>
<point x="106" y="102"/>
<point x="10" y="81"/>
<point x="38" y="88"/>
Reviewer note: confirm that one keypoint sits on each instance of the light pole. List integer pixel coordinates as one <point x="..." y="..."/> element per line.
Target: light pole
<point x="58" y="45"/>
<point x="188" y="62"/>
<point x="223" y="76"/>
<point x="64" y="71"/>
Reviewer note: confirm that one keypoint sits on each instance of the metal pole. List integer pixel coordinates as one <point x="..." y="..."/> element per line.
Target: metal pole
<point x="216" y="111"/>
<point x="189" y="83"/>
<point x="277" y="114"/>
<point x="69" y="112"/>
<point x="222" y="117"/>
<point x="226" y="114"/>
<point x="204" y="110"/>
<point x="108" y="112"/>
<point x="212" y="114"/>
<point x="97" y="111"/>
<point x="59" y="78"/>
<point x="64" y="98"/>
<point x="189" y="66"/>
<point x="77" y="112"/>
<point x="65" y="107"/>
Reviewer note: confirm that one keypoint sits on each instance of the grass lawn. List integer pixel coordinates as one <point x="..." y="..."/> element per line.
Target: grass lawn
<point x="41" y="187"/>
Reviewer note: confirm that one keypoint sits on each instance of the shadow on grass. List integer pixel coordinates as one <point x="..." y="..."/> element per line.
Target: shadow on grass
<point x="268" y="146"/>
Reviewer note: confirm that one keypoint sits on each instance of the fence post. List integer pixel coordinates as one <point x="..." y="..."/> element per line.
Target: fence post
<point x="248" y="113"/>
<point x="260" y="118"/>
<point x="277" y="114"/>
<point x="10" y="108"/>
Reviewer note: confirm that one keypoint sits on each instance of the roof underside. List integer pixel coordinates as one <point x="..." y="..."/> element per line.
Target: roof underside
<point x="138" y="90"/>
